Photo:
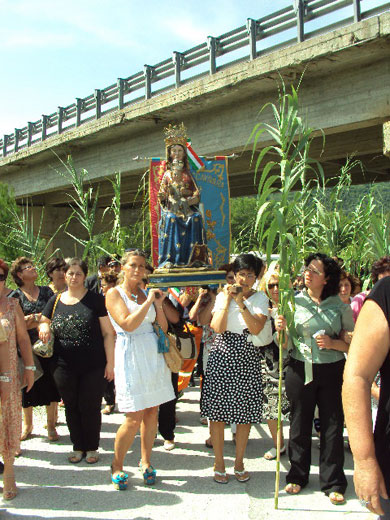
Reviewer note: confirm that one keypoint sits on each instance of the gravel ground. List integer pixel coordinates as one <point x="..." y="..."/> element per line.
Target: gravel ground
<point x="50" y="487"/>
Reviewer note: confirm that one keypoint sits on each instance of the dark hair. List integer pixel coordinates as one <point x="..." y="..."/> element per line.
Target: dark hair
<point x="185" y="158"/>
<point x="4" y="267"/>
<point x="149" y="268"/>
<point x="17" y="266"/>
<point x="332" y="274"/>
<point x="344" y="275"/>
<point x="53" y="264"/>
<point x="380" y="266"/>
<point x="77" y="261"/>
<point x="226" y="267"/>
<point x="249" y="262"/>
<point x="110" y="277"/>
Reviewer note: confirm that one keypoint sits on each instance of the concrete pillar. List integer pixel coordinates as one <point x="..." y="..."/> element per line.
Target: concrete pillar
<point x="386" y="138"/>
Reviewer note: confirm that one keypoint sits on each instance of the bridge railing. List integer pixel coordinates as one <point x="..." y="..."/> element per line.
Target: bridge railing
<point x="279" y="29"/>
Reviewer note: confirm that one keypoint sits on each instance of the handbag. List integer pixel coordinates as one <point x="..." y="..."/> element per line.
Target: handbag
<point x="37" y="373"/>
<point x="167" y="346"/>
<point x="185" y="341"/>
<point x="45" y="350"/>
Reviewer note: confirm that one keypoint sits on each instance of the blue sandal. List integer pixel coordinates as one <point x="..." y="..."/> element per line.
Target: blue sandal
<point x="120" y="480"/>
<point x="149" y="474"/>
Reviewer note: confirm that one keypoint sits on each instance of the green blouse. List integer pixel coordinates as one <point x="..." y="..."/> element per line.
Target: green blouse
<point x="331" y="315"/>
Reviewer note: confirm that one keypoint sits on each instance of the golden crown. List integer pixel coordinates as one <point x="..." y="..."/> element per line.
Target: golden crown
<point x="175" y="134"/>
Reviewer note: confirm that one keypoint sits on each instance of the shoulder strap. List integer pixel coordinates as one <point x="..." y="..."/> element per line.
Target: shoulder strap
<point x="55" y="305"/>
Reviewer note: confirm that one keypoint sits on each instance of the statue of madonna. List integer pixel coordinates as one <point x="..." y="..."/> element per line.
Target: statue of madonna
<point x="181" y="225"/>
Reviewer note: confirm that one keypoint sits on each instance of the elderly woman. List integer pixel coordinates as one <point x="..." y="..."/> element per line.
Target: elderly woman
<point x="142" y="378"/>
<point x="55" y="270"/>
<point x="233" y="384"/>
<point x="14" y="330"/>
<point x="270" y="352"/>
<point x="314" y="377"/>
<point x="33" y="299"/>
<point x="83" y="357"/>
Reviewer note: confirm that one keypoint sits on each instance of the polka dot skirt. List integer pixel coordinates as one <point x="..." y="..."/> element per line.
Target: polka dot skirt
<point x="232" y="389"/>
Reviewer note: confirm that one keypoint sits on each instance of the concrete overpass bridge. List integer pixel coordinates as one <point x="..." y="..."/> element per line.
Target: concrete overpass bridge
<point x="345" y="92"/>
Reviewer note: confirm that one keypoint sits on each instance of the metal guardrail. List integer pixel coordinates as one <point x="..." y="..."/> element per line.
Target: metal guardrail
<point x="118" y="94"/>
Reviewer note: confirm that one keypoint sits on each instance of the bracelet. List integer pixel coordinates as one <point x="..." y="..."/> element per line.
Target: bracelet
<point x="243" y="309"/>
<point x="4" y="378"/>
<point x="36" y="318"/>
<point x="30" y="367"/>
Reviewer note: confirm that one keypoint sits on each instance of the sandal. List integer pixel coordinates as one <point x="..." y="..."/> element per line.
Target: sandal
<point x="149" y="474"/>
<point x="26" y="434"/>
<point x="292" y="489"/>
<point x="242" y="476"/>
<point x="75" y="456"/>
<point x="119" y="480"/>
<point x="92" y="457"/>
<point x="336" y="498"/>
<point x="52" y="435"/>
<point x="11" y="493"/>
<point x="271" y="454"/>
<point x="108" y="409"/>
<point x="220" y="477"/>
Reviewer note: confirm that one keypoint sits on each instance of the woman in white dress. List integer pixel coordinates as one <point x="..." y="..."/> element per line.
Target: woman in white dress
<point x="142" y="379"/>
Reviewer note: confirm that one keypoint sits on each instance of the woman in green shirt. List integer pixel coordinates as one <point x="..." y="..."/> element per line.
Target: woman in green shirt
<point x="314" y="377"/>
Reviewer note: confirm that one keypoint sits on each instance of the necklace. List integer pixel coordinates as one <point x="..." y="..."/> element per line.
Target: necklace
<point x="135" y="296"/>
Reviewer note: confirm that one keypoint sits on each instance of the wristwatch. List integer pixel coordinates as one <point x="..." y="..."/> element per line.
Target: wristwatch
<point x="36" y="317"/>
<point x="30" y="367"/>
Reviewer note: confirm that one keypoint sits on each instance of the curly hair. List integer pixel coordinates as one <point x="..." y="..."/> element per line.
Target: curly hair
<point x="332" y="274"/>
<point x="185" y="158"/>
<point x="380" y="266"/>
<point x="17" y="267"/>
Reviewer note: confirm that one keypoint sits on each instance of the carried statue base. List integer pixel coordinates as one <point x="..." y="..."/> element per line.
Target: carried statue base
<point x="186" y="277"/>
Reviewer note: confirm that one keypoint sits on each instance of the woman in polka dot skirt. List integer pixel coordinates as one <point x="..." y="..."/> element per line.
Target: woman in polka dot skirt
<point x="233" y="387"/>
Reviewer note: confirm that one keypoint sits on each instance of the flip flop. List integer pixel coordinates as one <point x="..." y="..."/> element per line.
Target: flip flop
<point x="242" y="476"/>
<point x="271" y="454"/>
<point x="336" y="498"/>
<point x="220" y="477"/>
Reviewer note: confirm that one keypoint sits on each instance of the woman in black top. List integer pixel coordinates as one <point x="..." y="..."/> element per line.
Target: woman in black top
<point x="33" y="299"/>
<point x="83" y="358"/>
<point x="368" y="353"/>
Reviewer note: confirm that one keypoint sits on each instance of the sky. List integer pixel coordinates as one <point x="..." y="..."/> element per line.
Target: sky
<point x="53" y="51"/>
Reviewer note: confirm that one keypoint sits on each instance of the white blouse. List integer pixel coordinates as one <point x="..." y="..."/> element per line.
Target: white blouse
<point x="256" y="304"/>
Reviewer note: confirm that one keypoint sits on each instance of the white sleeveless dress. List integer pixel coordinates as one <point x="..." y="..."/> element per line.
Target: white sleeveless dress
<point x="142" y="378"/>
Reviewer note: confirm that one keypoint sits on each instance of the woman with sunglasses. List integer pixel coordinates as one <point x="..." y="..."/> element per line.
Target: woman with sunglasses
<point x="13" y="328"/>
<point x="33" y="299"/>
<point x="314" y="377"/>
<point x="232" y="391"/>
<point x="270" y="363"/>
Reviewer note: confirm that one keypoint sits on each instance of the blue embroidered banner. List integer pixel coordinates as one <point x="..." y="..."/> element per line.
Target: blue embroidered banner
<point x="213" y="184"/>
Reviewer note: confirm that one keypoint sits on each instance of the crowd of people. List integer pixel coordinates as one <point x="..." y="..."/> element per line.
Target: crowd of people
<point x="109" y="333"/>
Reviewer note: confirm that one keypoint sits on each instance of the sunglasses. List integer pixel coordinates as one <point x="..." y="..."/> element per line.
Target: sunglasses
<point x="28" y="268"/>
<point x="3" y="277"/>
<point x="272" y="285"/>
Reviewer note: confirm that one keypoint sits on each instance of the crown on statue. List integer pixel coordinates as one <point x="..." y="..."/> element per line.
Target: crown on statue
<point x="175" y="134"/>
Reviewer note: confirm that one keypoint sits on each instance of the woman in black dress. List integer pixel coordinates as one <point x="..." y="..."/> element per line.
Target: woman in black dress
<point x="83" y="358"/>
<point x="33" y="299"/>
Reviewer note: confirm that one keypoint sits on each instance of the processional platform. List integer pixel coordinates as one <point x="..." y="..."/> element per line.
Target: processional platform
<point x="186" y="277"/>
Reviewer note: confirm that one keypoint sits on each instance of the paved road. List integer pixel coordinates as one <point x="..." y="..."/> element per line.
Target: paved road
<point x="50" y="487"/>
